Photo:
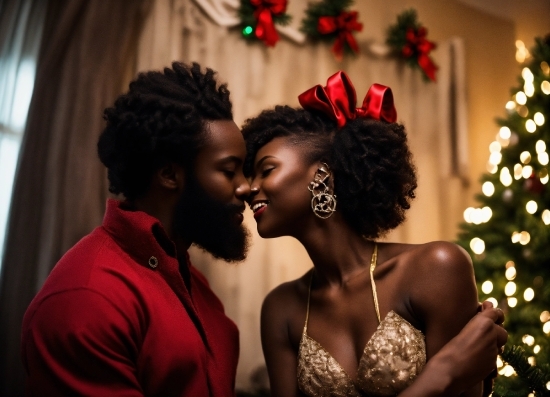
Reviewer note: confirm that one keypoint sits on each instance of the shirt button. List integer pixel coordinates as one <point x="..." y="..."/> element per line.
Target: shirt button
<point x="153" y="262"/>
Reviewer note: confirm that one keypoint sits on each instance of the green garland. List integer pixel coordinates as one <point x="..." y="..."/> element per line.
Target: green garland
<point x="397" y="40"/>
<point x="325" y="8"/>
<point x="249" y="21"/>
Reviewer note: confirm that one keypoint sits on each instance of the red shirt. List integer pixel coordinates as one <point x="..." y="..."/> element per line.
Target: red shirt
<point x="115" y="317"/>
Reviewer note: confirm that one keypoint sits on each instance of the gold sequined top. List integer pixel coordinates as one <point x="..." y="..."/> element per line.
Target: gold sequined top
<point x="392" y="358"/>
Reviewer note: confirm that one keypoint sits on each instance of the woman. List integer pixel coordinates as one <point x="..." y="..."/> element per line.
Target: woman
<point x="367" y="317"/>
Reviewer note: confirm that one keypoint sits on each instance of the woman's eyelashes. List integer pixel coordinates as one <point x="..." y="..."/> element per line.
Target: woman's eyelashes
<point x="265" y="172"/>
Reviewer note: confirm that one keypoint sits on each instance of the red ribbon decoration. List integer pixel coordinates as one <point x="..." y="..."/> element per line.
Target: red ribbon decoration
<point x="338" y="101"/>
<point x="417" y="45"/>
<point x="265" y="28"/>
<point x="344" y="24"/>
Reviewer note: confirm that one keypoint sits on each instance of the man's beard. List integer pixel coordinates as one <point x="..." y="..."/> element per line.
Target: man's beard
<point x="210" y="225"/>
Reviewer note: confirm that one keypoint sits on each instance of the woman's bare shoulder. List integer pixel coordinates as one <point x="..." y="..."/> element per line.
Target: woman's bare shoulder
<point x="287" y="297"/>
<point x="431" y="256"/>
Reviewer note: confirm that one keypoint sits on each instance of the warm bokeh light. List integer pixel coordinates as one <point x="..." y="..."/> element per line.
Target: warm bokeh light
<point x="493" y="301"/>
<point x="524" y="238"/>
<point x="528" y="340"/>
<point x="525" y="157"/>
<point x="486" y="214"/>
<point x="505" y="132"/>
<point x="521" y="98"/>
<point x="546" y="217"/>
<point x="531" y="206"/>
<point x="542" y="157"/>
<point x="530" y="126"/>
<point x="505" y="177"/>
<point x="540" y="146"/>
<point x="477" y="245"/>
<point x="527" y="171"/>
<point x="529" y="294"/>
<point x="518" y="171"/>
<point x="495" y="158"/>
<point x="492" y="168"/>
<point x="546" y="327"/>
<point x="536" y="349"/>
<point x="487" y="287"/>
<point x="488" y="188"/>
<point x="545" y="87"/>
<point x="510" y="288"/>
<point x="512" y="302"/>
<point x="515" y="237"/>
<point x="539" y="118"/>
<point x="510" y="273"/>
<point x="494" y="147"/>
<point x="544" y="316"/>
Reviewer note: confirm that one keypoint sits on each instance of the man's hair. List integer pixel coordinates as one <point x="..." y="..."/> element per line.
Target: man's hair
<point x="161" y="119"/>
<point x="374" y="177"/>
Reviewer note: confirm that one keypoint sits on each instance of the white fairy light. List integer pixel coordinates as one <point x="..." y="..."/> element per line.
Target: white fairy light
<point x="539" y="118"/>
<point x="546" y="327"/>
<point x="510" y="105"/>
<point x="495" y="302"/>
<point x="515" y="237"/>
<point x="530" y="126"/>
<point x="495" y="147"/>
<point x="531" y="360"/>
<point x="525" y="157"/>
<point x="521" y="98"/>
<point x="505" y="177"/>
<point x="524" y="238"/>
<point x="529" y="294"/>
<point x="545" y="87"/>
<point x="527" y="171"/>
<point x="527" y="75"/>
<point x="528" y="340"/>
<point x="468" y="214"/>
<point x="544" y="179"/>
<point x="510" y="273"/>
<point x="492" y="168"/>
<point x="544" y="316"/>
<point x="495" y="158"/>
<point x="531" y="206"/>
<point x="540" y="146"/>
<point x="477" y="216"/>
<point x="546" y="217"/>
<point x="505" y="132"/>
<point x="510" y="288"/>
<point x="536" y="349"/>
<point x="518" y="171"/>
<point x="487" y="287"/>
<point x="512" y="302"/>
<point x="486" y="214"/>
<point x="488" y="188"/>
<point x="477" y="245"/>
<point x="542" y="157"/>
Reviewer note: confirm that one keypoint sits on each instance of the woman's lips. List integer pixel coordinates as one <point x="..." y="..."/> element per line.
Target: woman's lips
<point x="259" y="212"/>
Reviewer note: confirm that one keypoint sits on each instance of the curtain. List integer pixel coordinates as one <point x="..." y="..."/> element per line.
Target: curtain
<point x="258" y="77"/>
<point x="60" y="189"/>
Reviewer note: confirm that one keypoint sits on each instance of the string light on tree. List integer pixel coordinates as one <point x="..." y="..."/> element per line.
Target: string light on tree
<point x="515" y="189"/>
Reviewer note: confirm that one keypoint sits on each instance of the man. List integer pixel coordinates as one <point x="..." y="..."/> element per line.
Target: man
<point x="124" y="313"/>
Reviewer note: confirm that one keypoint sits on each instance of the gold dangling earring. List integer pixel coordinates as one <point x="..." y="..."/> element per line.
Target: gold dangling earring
<point x="323" y="202"/>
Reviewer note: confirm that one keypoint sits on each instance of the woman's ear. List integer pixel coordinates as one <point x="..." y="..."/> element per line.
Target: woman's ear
<point x="171" y="176"/>
<point x="323" y="175"/>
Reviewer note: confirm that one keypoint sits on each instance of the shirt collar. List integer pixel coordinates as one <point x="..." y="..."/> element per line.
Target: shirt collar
<point x="139" y="234"/>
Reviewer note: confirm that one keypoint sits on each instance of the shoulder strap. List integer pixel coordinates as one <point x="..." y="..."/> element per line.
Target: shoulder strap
<point x="372" y="266"/>
<point x="308" y="296"/>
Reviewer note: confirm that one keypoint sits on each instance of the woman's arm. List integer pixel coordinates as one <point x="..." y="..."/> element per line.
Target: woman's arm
<point x="444" y="296"/>
<point x="466" y="360"/>
<point x="281" y="358"/>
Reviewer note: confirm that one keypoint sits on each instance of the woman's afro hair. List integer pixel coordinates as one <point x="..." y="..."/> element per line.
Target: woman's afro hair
<point x="161" y="118"/>
<point x="374" y="176"/>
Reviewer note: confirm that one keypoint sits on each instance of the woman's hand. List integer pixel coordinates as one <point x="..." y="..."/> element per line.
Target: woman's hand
<point x="471" y="355"/>
<point x="467" y="359"/>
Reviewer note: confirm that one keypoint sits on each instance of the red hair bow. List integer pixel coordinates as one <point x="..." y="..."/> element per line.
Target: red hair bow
<point x="338" y="101"/>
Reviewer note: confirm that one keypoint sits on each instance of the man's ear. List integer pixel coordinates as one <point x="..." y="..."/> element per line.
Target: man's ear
<point x="171" y="176"/>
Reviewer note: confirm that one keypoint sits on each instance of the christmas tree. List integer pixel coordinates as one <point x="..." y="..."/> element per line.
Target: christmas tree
<point x="508" y="234"/>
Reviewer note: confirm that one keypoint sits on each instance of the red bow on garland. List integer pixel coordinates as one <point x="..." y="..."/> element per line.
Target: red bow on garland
<point x="265" y="28"/>
<point x="338" y="101"/>
<point x="417" y="45"/>
<point x="344" y="24"/>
